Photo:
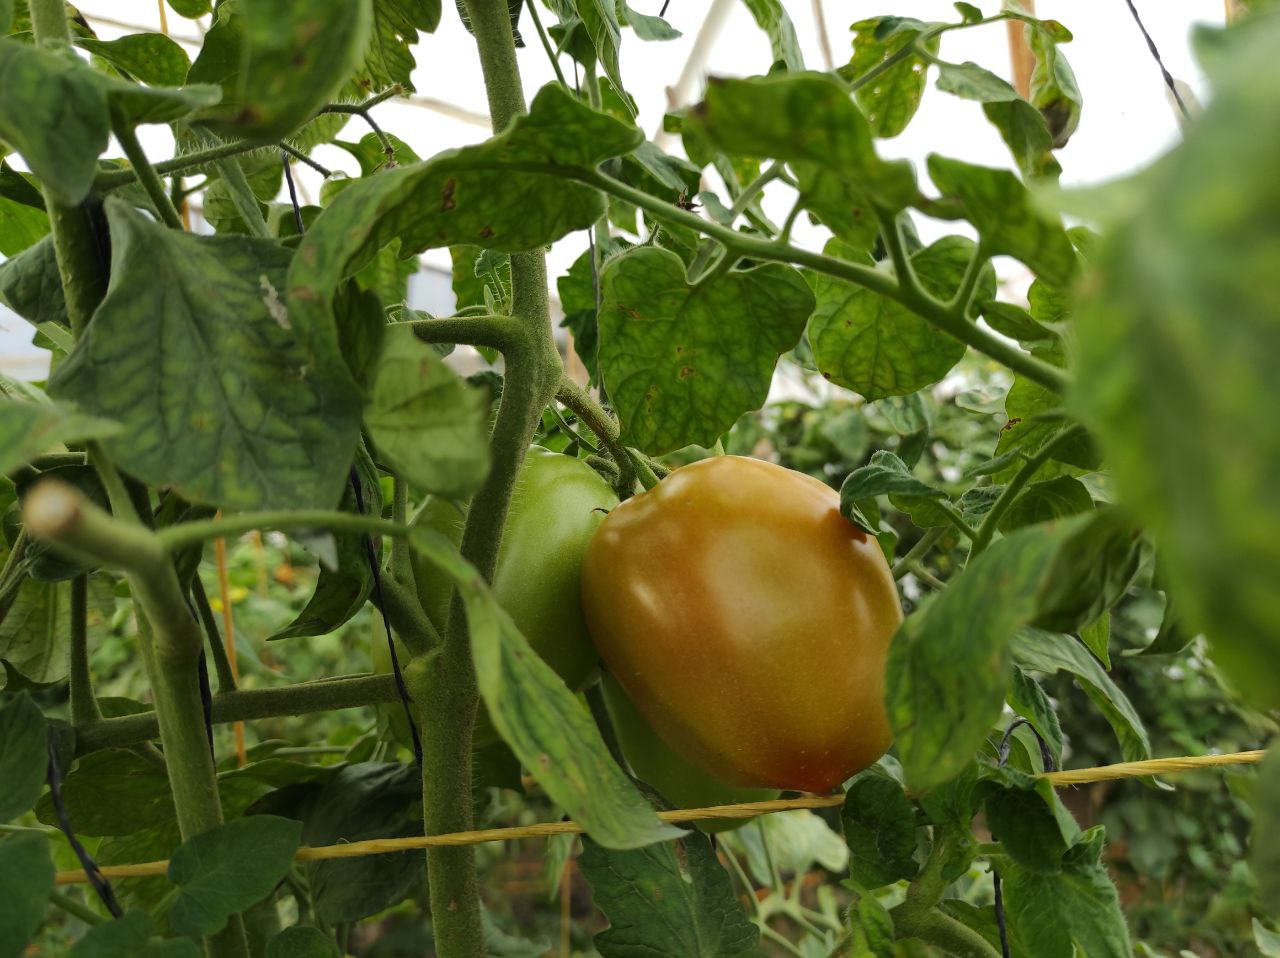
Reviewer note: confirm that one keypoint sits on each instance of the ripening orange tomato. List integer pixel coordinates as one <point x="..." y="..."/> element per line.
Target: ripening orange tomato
<point x="749" y="621"/>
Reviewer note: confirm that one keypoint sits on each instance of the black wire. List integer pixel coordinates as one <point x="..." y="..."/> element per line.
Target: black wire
<point x="99" y="881"/>
<point x="293" y="193"/>
<point x="663" y="11"/>
<point x="1046" y="756"/>
<point x="206" y="701"/>
<point x="372" y="555"/>
<point x="1168" y="77"/>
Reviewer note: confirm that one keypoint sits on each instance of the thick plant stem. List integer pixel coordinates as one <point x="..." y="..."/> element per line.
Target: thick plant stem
<point x="147" y="175"/>
<point x="170" y="640"/>
<point x="443" y="682"/>
<point x="942" y="931"/>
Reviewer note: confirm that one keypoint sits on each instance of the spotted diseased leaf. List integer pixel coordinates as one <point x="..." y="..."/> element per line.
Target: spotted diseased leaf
<point x="426" y="422"/>
<point x="294" y="57"/>
<point x="682" y="363"/>
<point x="541" y="719"/>
<point x="810" y="121"/>
<point x="891" y="98"/>
<point x="462" y="197"/>
<point x="664" y="904"/>
<point x="220" y="394"/>
<point x="388" y="58"/>
<point x="1008" y="222"/>
<point x="54" y="114"/>
<point x="876" y="346"/>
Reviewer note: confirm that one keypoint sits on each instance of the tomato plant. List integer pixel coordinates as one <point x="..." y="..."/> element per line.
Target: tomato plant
<point x="690" y="593"/>
<point x="923" y="480"/>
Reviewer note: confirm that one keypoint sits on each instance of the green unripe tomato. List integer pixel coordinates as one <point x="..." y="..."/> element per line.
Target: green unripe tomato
<point x="556" y="505"/>
<point x="680" y="782"/>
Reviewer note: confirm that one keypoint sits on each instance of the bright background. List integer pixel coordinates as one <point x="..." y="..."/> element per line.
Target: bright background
<point x="1128" y="118"/>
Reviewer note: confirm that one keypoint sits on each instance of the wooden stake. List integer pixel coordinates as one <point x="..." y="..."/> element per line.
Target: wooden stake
<point x="1020" y="56"/>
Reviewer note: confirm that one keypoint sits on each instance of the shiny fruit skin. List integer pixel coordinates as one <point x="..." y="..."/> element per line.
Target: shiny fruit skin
<point x="748" y="621"/>
<point x="654" y="762"/>
<point x="556" y="506"/>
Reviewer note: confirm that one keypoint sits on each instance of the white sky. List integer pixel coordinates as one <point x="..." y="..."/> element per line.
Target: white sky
<point x="1127" y="118"/>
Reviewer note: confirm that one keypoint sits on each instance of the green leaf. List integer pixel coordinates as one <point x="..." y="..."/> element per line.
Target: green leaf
<point x="224" y="395"/>
<point x="1268" y="941"/>
<point x="24" y="755"/>
<point x="1042" y="501"/>
<point x="22" y="223"/>
<point x="1179" y="354"/>
<point x="362" y="801"/>
<point x="138" y="790"/>
<point x="880" y="828"/>
<point x="540" y="718"/>
<point x="1050" y="652"/>
<point x="1025" y="132"/>
<point x="294" y="58"/>
<point x="1092" y="571"/>
<point x="342" y="591"/>
<point x="302" y="941"/>
<point x="460" y="196"/>
<point x="871" y="928"/>
<point x="771" y="17"/>
<point x="600" y="19"/>
<point x="1054" y="92"/>
<point x="794" y="841"/>
<point x="949" y="664"/>
<point x="682" y="363"/>
<point x="884" y="474"/>
<point x="426" y="422"/>
<point x="890" y="99"/>
<point x="131" y="937"/>
<point x="1029" y="700"/>
<point x="150" y="58"/>
<point x="225" y="870"/>
<point x="34" y="637"/>
<point x="396" y="25"/>
<point x="971" y="82"/>
<point x="876" y="346"/>
<point x="29" y="429"/>
<point x="1075" y="911"/>
<point x="1096" y="637"/>
<point x="26" y="881"/>
<point x="1014" y="322"/>
<point x="645" y="26"/>
<point x="661" y="904"/>
<point x="190" y="8"/>
<point x="810" y="121"/>
<point x="1027" y="818"/>
<point x="54" y="114"/>
<point x="1007" y="219"/>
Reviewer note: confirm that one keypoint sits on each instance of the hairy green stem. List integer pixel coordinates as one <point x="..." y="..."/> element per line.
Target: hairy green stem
<point x="495" y="332"/>
<point x="182" y="163"/>
<point x="972" y="273"/>
<point x="443" y="683"/>
<point x="982" y="538"/>
<point x="84" y="707"/>
<point x="957" y="520"/>
<point x="246" y="705"/>
<point x="191" y="533"/>
<point x="170" y="641"/>
<point x="598" y="420"/>
<point x="942" y="931"/>
<point x="147" y="175"/>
